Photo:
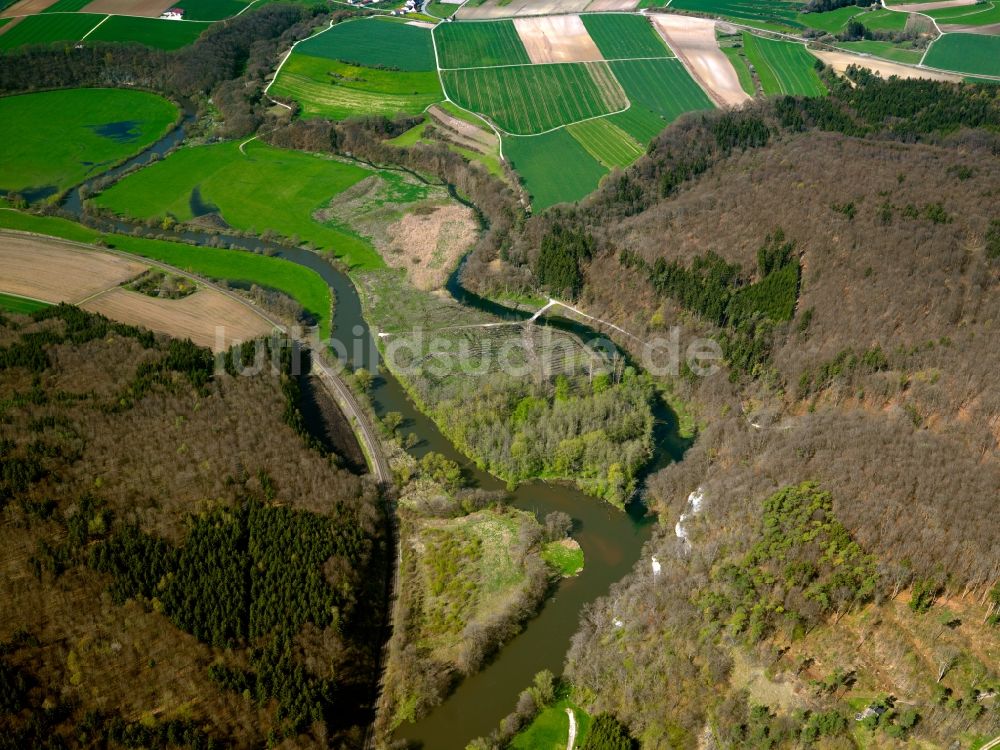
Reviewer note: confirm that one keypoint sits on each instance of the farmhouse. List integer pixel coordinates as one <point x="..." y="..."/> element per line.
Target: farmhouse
<point x="173" y="14"/>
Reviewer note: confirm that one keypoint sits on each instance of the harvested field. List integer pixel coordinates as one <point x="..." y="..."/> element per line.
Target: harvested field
<point x="197" y="317"/>
<point x="502" y="9"/>
<point x="420" y="24"/>
<point x="428" y="245"/>
<point x="840" y="61"/>
<point x="53" y="271"/>
<point x="551" y="39"/>
<point x="693" y="41"/>
<point x="147" y="8"/>
<point x="26" y="8"/>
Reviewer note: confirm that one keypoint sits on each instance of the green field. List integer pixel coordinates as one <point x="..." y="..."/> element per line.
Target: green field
<point x="14" y="304"/>
<point x="783" y="67"/>
<point x="760" y="12"/>
<point x="662" y="86"/>
<point x="535" y="98"/>
<point x="210" y="10"/>
<point x="264" y="189"/>
<point x="56" y="139"/>
<point x="888" y="50"/>
<point x="302" y="284"/>
<point x="607" y="142"/>
<point x="833" y="21"/>
<point x="440" y="10"/>
<point x="550" y="729"/>
<point x="740" y="65"/>
<point x="46" y="29"/>
<point x="620" y="35"/>
<point x="976" y="54"/>
<point x="329" y="88"/>
<point x="554" y="166"/>
<point x="639" y="122"/>
<point x="468" y="45"/>
<point x="374" y="42"/>
<point x="153" y="32"/>
<point x="969" y="15"/>
<point x="566" y="560"/>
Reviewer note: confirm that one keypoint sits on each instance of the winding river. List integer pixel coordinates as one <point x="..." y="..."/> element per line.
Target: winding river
<point x="611" y="539"/>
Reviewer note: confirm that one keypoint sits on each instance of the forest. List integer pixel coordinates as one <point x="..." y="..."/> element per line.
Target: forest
<point x="252" y="558"/>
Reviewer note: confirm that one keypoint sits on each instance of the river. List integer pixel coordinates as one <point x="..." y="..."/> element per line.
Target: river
<point x="611" y="539"/>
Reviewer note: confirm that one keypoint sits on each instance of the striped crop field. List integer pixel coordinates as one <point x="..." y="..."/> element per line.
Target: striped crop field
<point x="530" y="99"/>
<point x="606" y="142"/>
<point x="619" y="36"/>
<point x="555" y="167"/>
<point x="662" y="86"/>
<point x="46" y="29"/>
<point x="374" y="42"/>
<point x="783" y="67"/>
<point x="328" y="88"/>
<point x="153" y="32"/>
<point x="473" y="45"/>
<point x="639" y="122"/>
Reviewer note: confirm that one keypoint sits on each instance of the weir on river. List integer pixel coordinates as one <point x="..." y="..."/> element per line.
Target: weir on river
<point x="611" y="539"/>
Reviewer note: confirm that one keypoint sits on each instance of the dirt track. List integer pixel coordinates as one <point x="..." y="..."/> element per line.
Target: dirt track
<point x="50" y="271"/>
<point x="693" y="41"/>
<point x="550" y="39"/>
<point x="197" y="316"/>
<point x="147" y="8"/>
<point x="840" y="61"/>
<point x="469" y="135"/>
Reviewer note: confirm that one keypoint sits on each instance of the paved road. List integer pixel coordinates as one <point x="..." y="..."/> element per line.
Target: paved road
<point x="348" y="402"/>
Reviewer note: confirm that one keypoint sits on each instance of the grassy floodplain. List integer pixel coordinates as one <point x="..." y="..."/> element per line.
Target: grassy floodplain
<point x="49" y="28"/>
<point x="783" y="67"/>
<point x="94" y="129"/>
<point x="263" y="188"/>
<point x="618" y="35"/>
<point x="302" y="284"/>
<point x="968" y="53"/>
<point x="468" y="45"/>
<point x="535" y="98"/>
<point x="153" y="32"/>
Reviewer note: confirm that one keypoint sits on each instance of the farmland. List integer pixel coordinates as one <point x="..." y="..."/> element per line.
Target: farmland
<point x="329" y="88"/>
<point x="376" y="43"/>
<point x="104" y="126"/>
<point x="555" y="167"/>
<point x="639" y="122"/>
<point x="620" y="36"/>
<point x="301" y="284"/>
<point x="783" y="67"/>
<point x="888" y="50"/>
<point x="152" y="32"/>
<point x="44" y="29"/>
<point x="968" y="53"/>
<point x="210" y="10"/>
<point x="15" y="304"/>
<point x="760" y="12"/>
<point x="532" y="99"/>
<point x="980" y="14"/>
<point x="468" y="45"/>
<point x="606" y="142"/>
<point x="662" y="86"/>
<point x="265" y="188"/>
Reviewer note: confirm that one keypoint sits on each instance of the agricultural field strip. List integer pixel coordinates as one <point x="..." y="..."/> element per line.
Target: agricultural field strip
<point x="108" y="15"/>
<point x="535" y="65"/>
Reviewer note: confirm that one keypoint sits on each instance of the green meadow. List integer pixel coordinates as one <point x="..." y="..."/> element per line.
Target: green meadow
<point x="662" y="86"/>
<point x="783" y="67"/>
<point x="619" y="35"/>
<point x="374" y="42"/>
<point x="264" y="189"/>
<point x="976" y="54"/>
<point x="49" y="28"/>
<point x="210" y="10"/>
<point x="93" y="130"/>
<point x="13" y="303"/>
<point x="555" y="167"/>
<point x="300" y="283"/>
<point x="329" y="88"/>
<point x="468" y="45"/>
<point x="153" y="32"/>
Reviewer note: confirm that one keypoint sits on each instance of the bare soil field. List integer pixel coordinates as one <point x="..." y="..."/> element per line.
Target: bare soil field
<point x="26" y="7"/>
<point x="468" y="133"/>
<point x="497" y="8"/>
<point x="51" y="271"/>
<point x="840" y="61"/>
<point x="197" y="316"/>
<point x="420" y="24"/>
<point x="146" y="8"/>
<point x="693" y="41"/>
<point x="551" y="39"/>
<point x="992" y="29"/>
<point x="612" y="5"/>
<point x="429" y="245"/>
